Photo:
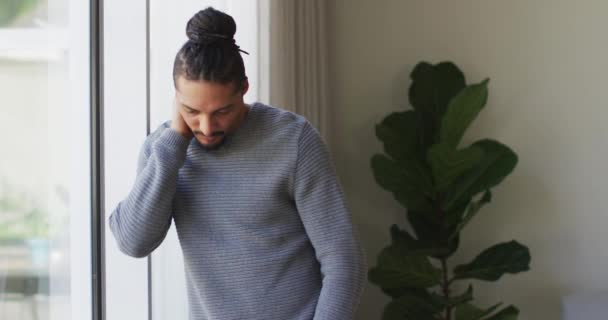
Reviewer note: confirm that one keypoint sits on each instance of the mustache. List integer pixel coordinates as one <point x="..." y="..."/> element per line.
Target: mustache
<point x="215" y="134"/>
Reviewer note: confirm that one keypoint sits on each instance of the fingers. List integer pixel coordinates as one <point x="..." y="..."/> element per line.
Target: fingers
<point x="178" y="123"/>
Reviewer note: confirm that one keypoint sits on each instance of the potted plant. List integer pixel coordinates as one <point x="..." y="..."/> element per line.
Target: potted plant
<point x="443" y="186"/>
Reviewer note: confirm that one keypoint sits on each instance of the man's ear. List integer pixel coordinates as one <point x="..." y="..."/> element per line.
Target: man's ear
<point x="245" y="86"/>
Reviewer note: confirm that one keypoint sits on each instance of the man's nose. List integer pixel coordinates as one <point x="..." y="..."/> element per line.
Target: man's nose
<point x="206" y="125"/>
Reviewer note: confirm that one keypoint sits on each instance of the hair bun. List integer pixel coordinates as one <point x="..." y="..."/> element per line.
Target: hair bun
<point x="210" y="26"/>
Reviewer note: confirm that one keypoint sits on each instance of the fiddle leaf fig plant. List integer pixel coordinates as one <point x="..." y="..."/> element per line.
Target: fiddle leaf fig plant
<point x="443" y="185"/>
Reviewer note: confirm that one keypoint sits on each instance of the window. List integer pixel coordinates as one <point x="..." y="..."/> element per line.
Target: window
<point x="45" y="207"/>
<point x="45" y="169"/>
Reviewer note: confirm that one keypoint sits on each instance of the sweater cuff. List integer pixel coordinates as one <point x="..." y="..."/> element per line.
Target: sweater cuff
<point x="171" y="146"/>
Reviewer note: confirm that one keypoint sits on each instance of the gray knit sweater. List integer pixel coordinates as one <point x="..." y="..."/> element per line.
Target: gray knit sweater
<point x="262" y="221"/>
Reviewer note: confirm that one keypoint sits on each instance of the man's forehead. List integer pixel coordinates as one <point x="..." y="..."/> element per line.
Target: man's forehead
<point x="205" y="107"/>
<point x="205" y="88"/>
<point x="207" y="99"/>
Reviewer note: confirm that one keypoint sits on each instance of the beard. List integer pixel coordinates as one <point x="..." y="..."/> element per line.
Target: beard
<point x="212" y="146"/>
<point x="221" y="136"/>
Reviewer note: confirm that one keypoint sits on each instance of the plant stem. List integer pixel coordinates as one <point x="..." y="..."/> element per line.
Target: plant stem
<point x="445" y="284"/>
<point x="446" y="288"/>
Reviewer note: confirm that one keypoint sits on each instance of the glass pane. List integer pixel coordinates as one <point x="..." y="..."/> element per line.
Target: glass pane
<point x="167" y="35"/>
<point x="44" y="168"/>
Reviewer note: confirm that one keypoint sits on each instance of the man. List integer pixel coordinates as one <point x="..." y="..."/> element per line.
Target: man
<point x="260" y="214"/>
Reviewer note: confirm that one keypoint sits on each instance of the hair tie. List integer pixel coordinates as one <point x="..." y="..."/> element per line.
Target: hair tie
<point x="223" y="37"/>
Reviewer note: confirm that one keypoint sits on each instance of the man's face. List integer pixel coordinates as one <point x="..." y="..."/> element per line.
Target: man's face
<point x="211" y="110"/>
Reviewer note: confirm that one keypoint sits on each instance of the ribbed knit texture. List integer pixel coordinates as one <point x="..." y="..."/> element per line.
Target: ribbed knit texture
<point x="262" y="221"/>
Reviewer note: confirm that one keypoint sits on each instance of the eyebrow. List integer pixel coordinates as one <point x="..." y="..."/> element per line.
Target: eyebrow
<point x="222" y="108"/>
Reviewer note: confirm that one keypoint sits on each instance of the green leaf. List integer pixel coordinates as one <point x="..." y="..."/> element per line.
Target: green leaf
<point x="433" y="86"/>
<point x="492" y="263"/>
<point x="461" y="112"/>
<point x="398" y="133"/>
<point x="413" y="247"/>
<point x="508" y="313"/>
<point x="472" y="210"/>
<point x="402" y="237"/>
<point x="411" y="307"/>
<point x="447" y="163"/>
<point x="401" y="291"/>
<point x="468" y="311"/>
<point x="463" y="298"/>
<point x="408" y="181"/>
<point x="455" y="300"/>
<point x="498" y="162"/>
<point x="429" y="230"/>
<point x="397" y="268"/>
<point x="455" y="215"/>
<point x="420" y="293"/>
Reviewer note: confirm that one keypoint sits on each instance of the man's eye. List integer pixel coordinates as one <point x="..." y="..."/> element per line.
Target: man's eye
<point x="224" y="111"/>
<point x="190" y="111"/>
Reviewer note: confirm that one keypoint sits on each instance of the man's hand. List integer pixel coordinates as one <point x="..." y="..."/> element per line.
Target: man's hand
<point x="178" y="123"/>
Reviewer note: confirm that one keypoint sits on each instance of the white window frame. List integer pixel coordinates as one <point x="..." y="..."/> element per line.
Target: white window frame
<point x="125" y="127"/>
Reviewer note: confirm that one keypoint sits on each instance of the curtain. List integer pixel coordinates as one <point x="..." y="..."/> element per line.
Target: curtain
<point x="298" y="59"/>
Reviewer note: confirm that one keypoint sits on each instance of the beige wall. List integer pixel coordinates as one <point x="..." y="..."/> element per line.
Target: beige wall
<point x="547" y="60"/>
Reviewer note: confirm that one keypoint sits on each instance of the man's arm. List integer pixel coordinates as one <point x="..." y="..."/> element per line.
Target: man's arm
<point x="320" y="202"/>
<point x="141" y="221"/>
